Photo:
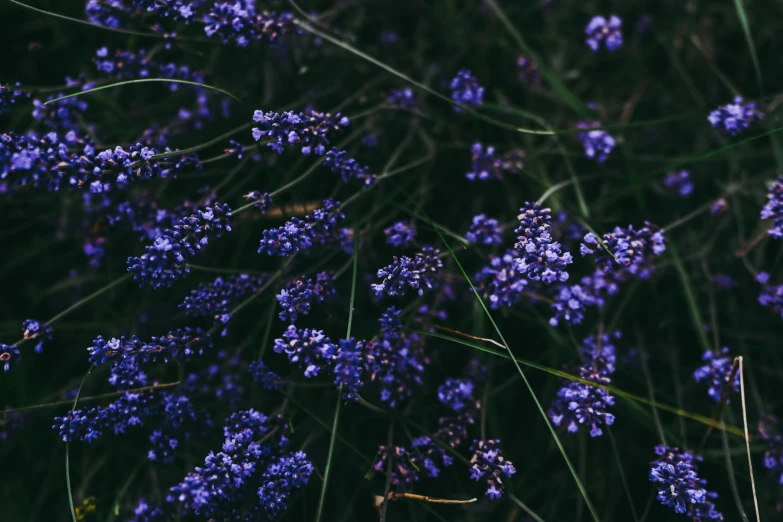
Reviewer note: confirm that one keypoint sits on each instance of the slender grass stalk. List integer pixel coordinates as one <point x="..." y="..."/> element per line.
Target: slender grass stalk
<point x="143" y="80"/>
<point x="68" y="448"/>
<point x="330" y="455"/>
<point x="747" y="437"/>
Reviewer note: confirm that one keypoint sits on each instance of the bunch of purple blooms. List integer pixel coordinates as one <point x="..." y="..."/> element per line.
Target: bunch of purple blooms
<point x="406" y="272"/>
<point x="771" y="295"/>
<point x="308" y="349"/>
<point x="486" y="165"/>
<point x="630" y="249"/>
<point x="598" y="143"/>
<point x="10" y="96"/>
<point x="484" y="231"/>
<point x="773" y="456"/>
<point x="214" y="299"/>
<point x="735" y="117"/>
<point x="501" y="281"/>
<point x="322" y="227"/>
<point x="773" y="209"/>
<point x="400" y="234"/>
<point x="466" y="90"/>
<point x="35" y="330"/>
<point x="675" y="476"/>
<point x="310" y="131"/>
<point x="578" y="403"/>
<point x="542" y="258"/>
<point x="602" y="31"/>
<point x="680" y="182"/>
<point x="488" y="463"/>
<point x="295" y="299"/>
<point x="717" y="371"/>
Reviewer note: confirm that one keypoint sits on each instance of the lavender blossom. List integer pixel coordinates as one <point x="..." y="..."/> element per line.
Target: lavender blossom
<point x="542" y="258"/>
<point x="773" y="209"/>
<point x="486" y="165"/>
<point x="263" y="201"/>
<point x="501" y="281"/>
<point x="401" y="98"/>
<point x="400" y="234"/>
<point x="680" y="182"/>
<point x="771" y="295"/>
<point x="348" y="366"/>
<point x="735" y="117"/>
<point x="266" y="377"/>
<point x="215" y="299"/>
<point x="319" y="228"/>
<point x="348" y="168"/>
<point x="9" y="354"/>
<point x="311" y="132"/>
<point x="281" y="478"/>
<point x="466" y="90"/>
<point x="675" y="476"/>
<point x="10" y="96"/>
<point x="237" y="22"/>
<point x="404" y="472"/>
<point x="631" y="249"/>
<point x="600" y="30"/>
<point x="32" y="329"/>
<point x="717" y="372"/>
<point x="528" y="71"/>
<point x="773" y="456"/>
<point x="406" y="272"/>
<point x="488" y="464"/>
<point x="308" y="349"/>
<point x="598" y="143"/>
<point x="165" y="260"/>
<point x="295" y="299"/>
<point x="485" y="231"/>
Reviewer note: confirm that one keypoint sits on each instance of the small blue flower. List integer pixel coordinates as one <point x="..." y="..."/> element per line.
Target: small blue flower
<point x="600" y="30"/>
<point x="773" y="209"/>
<point x="488" y="463"/>
<point x="400" y="234"/>
<point x="717" y="371"/>
<point x="405" y="272"/>
<point x="675" y="475"/>
<point x="679" y="181"/>
<point x="485" y="231"/>
<point x="466" y="90"/>
<point x="598" y="144"/>
<point x="295" y="299"/>
<point x="735" y="117"/>
<point x="306" y="348"/>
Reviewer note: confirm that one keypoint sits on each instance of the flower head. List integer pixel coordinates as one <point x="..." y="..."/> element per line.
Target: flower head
<point x="486" y="165"/>
<point x="295" y="299"/>
<point x="598" y="143"/>
<point x="484" y="231"/>
<point x="400" y="234"/>
<point x="405" y="272"/>
<point x="716" y="371"/>
<point x="466" y="90"/>
<point x="542" y="258"/>
<point x="680" y="182"/>
<point x="488" y="463"/>
<point x="773" y="209"/>
<point x="600" y="30"/>
<point x="675" y="475"/>
<point x="735" y="117"/>
<point x="308" y="349"/>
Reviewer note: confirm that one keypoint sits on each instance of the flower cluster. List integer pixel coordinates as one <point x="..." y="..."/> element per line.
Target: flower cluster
<point x="10" y="96"/>
<point x="401" y="98"/>
<point x="735" y="117"/>
<point x="321" y="227"/>
<point x="32" y="329"/>
<point x="348" y="168"/>
<point x="528" y="71"/>
<point x="598" y="143"/>
<point x="773" y="456"/>
<point x="488" y="463"/>
<point x="486" y="165"/>
<point x="771" y="295"/>
<point x="9" y="353"/>
<point x="281" y="478"/>
<point x="400" y="234"/>
<point x="405" y="272"/>
<point x="214" y="299"/>
<point x="600" y="30"/>
<point x="675" y="476"/>
<point x="165" y="260"/>
<point x="466" y="90"/>
<point x="716" y="371"/>
<point x="501" y="281"/>
<point x="348" y="366"/>
<point x="310" y="131"/>
<point x="773" y="209"/>
<point x="485" y="231"/>
<point x="263" y="202"/>
<point x="571" y="302"/>
<point x="629" y="248"/>
<point x="542" y="258"/>
<point x="238" y="22"/>
<point x="295" y="299"/>
<point x="266" y="377"/>
<point x="679" y="181"/>
<point x="308" y="349"/>
<point x="578" y="403"/>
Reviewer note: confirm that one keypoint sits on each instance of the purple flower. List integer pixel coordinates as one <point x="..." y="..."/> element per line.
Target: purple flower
<point x="404" y="469"/>
<point x="488" y="463"/>
<point x="310" y="131"/>
<point x="679" y="181"/>
<point x="773" y="209"/>
<point x="631" y="249"/>
<point x="466" y="90"/>
<point x="598" y="143"/>
<point x="268" y="379"/>
<point x="485" y="231"/>
<point x="348" y="168"/>
<point x="10" y="96"/>
<point x="299" y="294"/>
<point x="735" y="117"/>
<point x="541" y="257"/>
<point x="773" y="456"/>
<point x="348" y="366"/>
<point x="501" y="281"/>
<point x="717" y="371"/>
<point x="528" y="71"/>
<point x="319" y="228"/>
<point x="263" y="201"/>
<point x="486" y="165"/>
<point x="9" y="354"/>
<point x="675" y="476"/>
<point x="215" y="299"/>
<point x="400" y="234"/>
<point x="32" y="329"/>
<point x="405" y="272"/>
<point x="280" y="479"/>
<point x="600" y="30"/>
<point x="401" y="98"/>
<point x="578" y="403"/>
<point x="238" y="22"/>
<point x="308" y="349"/>
<point x="771" y="295"/>
<point x="457" y="394"/>
<point x="718" y="206"/>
